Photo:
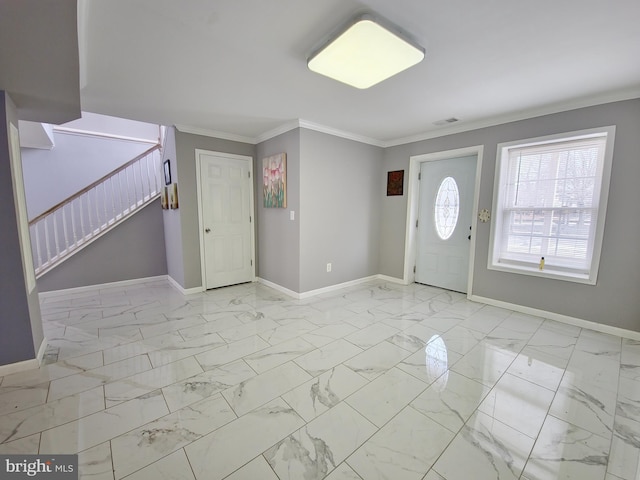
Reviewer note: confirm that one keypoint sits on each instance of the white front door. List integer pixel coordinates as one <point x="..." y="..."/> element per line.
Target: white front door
<point x="444" y="222"/>
<point x="226" y="204"/>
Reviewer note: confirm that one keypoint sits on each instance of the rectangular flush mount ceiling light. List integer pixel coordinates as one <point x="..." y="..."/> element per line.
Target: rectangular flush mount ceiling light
<point x="365" y="53"/>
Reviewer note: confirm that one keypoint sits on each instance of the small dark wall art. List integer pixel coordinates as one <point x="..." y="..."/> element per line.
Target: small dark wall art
<point x="395" y="181"/>
<point x="167" y="172"/>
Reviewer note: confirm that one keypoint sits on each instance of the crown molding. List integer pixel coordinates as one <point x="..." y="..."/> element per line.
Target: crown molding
<point x="621" y="95"/>
<point x="215" y="133"/>
<point x="610" y="97"/>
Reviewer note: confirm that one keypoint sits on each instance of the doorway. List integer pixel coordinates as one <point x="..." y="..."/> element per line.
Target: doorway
<point x="226" y="213"/>
<point x="440" y="240"/>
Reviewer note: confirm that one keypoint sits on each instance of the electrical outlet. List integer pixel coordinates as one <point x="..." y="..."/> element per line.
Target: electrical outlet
<point x="328" y="267"/>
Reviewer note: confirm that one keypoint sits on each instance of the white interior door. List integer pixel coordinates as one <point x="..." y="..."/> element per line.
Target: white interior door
<point x="444" y="222"/>
<point x="225" y="191"/>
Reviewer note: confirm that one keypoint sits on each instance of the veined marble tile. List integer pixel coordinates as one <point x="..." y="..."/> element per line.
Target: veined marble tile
<point x="318" y="447"/>
<point x="486" y="319"/>
<point x="13" y="399"/>
<point x="630" y="359"/>
<point x="414" y="338"/>
<point x="288" y="329"/>
<point x="464" y="307"/>
<point x="324" y="392"/>
<point x="206" y="384"/>
<point x="265" y="387"/>
<point x="129" y="350"/>
<point x="371" y="335"/>
<point x="405" y="448"/>
<point x="565" y="451"/>
<point x="385" y="396"/>
<point x="42" y="417"/>
<point x="223" y="451"/>
<point x="484" y="364"/>
<point x="485" y="448"/>
<point x="598" y="343"/>
<point x="80" y="382"/>
<point x="153" y="441"/>
<point x="258" y="468"/>
<point x="188" y="348"/>
<point x="327" y="357"/>
<point x="523" y="323"/>
<point x="451" y="400"/>
<point x="367" y="318"/>
<point x="511" y="397"/>
<point x="53" y="371"/>
<point x="433" y="475"/>
<point x="559" y="327"/>
<point x="277" y="355"/>
<point x="343" y="472"/>
<point x="430" y="364"/>
<point x="552" y="342"/>
<point x="377" y="360"/>
<point x="506" y="339"/>
<point x="629" y="399"/>
<point x="443" y="321"/>
<point x="212" y="326"/>
<point x="327" y="334"/>
<point x="95" y="463"/>
<point x="25" y="446"/>
<point x="588" y="406"/>
<point x="99" y="427"/>
<point x="131" y="387"/>
<point x="461" y="340"/>
<point x="539" y="368"/>
<point x="404" y="319"/>
<point x="231" y="352"/>
<point x="171" y="326"/>
<point x="245" y="330"/>
<point x="624" y="458"/>
<point x="174" y="466"/>
<point x="431" y="306"/>
<point x="591" y="369"/>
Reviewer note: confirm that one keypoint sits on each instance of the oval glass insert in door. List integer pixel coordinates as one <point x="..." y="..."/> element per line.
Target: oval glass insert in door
<point x="446" y="208"/>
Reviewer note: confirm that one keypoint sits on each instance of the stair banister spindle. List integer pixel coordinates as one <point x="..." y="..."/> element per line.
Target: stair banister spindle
<point x="147" y="160"/>
<point x="81" y="218"/>
<point x="113" y="201"/>
<point x="64" y="229"/>
<point x="135" y="190"/>
<point x="55" y="233"/>
<point x="97" y="202"/>
<point x="38" y="252"/>
<point x="104" y="204"/>
<point x="46" y="239"/>
<point x="141" y="201"/>
<point x="73" y="224"/>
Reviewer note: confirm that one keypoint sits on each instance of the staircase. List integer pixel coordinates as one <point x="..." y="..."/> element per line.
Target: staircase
<point x="98" y="208"/>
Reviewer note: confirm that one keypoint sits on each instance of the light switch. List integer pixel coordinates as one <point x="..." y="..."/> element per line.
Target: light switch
<point x="292" y="215"/>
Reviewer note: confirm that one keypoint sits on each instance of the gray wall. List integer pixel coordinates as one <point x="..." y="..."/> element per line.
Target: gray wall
<point x="186" y="145"/>
<point x="340" y="198"/>
<point x="76" y="161"/>
<point x="171" y="218"/>
<point x="20" y="319"/>
<point x="278" y="237"/>
<point x="615" y="300"/>
<point x="134" y="249"/>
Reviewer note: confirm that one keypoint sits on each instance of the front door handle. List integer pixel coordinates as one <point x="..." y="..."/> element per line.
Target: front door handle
<point x="207" y="230"/>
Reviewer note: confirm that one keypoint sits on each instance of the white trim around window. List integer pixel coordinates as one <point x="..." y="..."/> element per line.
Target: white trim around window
<point x="549" y="205"/>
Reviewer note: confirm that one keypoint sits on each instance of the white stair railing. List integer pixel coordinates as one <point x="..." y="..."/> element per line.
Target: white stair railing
<point x="96" y="209"/>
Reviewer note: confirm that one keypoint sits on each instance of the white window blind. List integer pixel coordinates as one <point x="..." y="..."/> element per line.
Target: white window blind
<point x="548" y="204"/>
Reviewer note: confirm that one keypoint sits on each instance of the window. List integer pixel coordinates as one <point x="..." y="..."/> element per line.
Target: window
<point x="550" y="202"/>
<point x="446" y="208"/>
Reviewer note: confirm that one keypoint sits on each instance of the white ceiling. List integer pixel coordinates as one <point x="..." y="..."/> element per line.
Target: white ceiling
<point x="239" y="66"/>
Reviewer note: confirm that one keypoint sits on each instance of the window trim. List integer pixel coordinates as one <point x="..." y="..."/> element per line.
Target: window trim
<point x="499" y="191"/>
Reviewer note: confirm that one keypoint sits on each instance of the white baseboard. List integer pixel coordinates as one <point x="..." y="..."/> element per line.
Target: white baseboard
<point x="577" y="322"/>
<point x="387" y="278"/>
<point x="181" y="289"/>
<point x="100" y="286"/>
<point x="25" y="364"/>
<point x="330" y="288"/>
<point x="280" y="288"/>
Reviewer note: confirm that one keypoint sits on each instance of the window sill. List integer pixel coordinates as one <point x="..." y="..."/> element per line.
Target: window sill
<point x="546" y="273"/>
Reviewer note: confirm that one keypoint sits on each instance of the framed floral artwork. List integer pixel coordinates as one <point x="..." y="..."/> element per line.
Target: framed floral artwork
<point x="274" y="185"/>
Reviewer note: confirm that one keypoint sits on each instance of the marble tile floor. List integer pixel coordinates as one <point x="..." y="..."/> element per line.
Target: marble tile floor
<point x="375" y="381"/>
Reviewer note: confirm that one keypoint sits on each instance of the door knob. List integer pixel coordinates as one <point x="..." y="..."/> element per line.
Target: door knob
<point x="207" y="230"/>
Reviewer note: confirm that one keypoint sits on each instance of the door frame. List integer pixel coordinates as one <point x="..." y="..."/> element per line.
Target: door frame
<point x="411" y="244"/>
<point x="252" y="207"/>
